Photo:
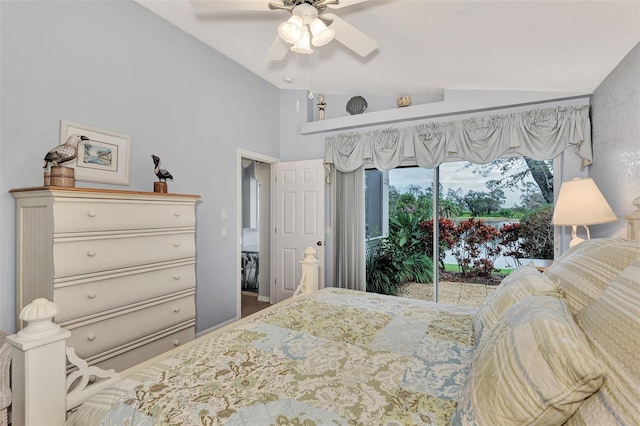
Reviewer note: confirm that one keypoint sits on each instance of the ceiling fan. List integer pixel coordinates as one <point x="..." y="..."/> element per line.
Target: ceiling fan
<point x="308" y="24"/>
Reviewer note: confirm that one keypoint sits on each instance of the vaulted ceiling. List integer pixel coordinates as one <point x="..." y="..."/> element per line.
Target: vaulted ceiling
<point x="425" y="46"/>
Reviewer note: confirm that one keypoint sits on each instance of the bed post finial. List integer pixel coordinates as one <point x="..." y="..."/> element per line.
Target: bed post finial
<point x="309" y="275"/>
<point x="633" y="221"/>
<point x="38" y="370"/>
<point x="39" y="316"/>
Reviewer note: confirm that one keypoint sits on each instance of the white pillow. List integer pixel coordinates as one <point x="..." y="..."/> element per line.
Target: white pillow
<point x="522" y="282"/>
<point x="589" y="268"/>
<point x="612" y="327"/>
<point x="534" y="367"/>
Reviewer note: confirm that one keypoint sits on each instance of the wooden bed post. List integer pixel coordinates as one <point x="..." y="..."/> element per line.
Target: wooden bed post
<point x="633" y="221"/>
<point x="309" y="275"/>
<point x="39" y="367"/>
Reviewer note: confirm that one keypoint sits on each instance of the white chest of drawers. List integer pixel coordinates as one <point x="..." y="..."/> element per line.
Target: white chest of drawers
<point x="120" y="265"/>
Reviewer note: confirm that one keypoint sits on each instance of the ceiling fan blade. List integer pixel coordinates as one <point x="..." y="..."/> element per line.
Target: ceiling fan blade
<point x="278" y="50"/>
<point x="348" y="35"/>
<point x="222" y="5"/>
<point x="339" y="4"/>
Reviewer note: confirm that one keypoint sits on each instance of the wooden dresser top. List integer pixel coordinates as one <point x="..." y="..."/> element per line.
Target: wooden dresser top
<point x="60" y="190"/>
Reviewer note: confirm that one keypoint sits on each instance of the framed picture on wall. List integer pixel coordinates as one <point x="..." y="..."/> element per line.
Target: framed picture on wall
<point x="103" y="158"/>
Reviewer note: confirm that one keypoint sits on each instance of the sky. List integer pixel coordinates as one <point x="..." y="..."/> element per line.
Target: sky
<point x="452" y="175"/>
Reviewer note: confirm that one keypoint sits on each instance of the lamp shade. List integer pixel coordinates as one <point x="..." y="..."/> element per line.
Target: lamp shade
<point x="291" y="30"/>
<point x="321" y="34"/>
<point x="580" y="202"/>
<point x="303" y="45"/>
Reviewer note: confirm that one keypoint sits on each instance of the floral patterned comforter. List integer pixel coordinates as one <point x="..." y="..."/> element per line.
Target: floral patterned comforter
<point x="329" y="358"/>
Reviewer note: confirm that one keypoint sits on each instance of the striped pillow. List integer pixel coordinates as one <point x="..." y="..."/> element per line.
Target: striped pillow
<point x="534" y="367"/>
<point x="587" y="269"/>
<point x="612" y="327"/>
<point x="524" y="281"/>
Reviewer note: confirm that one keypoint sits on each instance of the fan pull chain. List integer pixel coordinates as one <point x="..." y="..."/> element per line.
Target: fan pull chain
<point x="298" y="74"/>
<point x="310" y="76"/>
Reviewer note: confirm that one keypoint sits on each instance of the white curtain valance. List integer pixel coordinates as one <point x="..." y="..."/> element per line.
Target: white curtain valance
<point x="541" y="134"/>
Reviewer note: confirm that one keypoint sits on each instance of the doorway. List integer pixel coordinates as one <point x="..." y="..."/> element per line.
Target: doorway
<point x="254" y="224"/>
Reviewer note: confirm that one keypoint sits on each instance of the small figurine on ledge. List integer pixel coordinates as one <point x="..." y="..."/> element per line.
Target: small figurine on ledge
<point x="162" y="174"/>
<point x="321" y="107"/>
<point x="60" y="175"/>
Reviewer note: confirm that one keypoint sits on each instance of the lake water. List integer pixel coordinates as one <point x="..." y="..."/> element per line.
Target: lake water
<point x="501" y="262"/>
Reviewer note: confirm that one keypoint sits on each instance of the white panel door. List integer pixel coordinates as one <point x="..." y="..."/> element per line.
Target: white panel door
<point x="299" y="212"/>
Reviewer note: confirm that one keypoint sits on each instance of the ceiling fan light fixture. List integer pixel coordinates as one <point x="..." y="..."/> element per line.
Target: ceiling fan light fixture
<point x="306" y="11"/>
<point x="303" y="45"/>
<point x="321" y="33"/>
<point x="291" y="30"/>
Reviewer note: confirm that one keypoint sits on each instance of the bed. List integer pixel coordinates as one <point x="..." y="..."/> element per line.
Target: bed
<point x="558" y="347"/>
<point x="331" y="357"/>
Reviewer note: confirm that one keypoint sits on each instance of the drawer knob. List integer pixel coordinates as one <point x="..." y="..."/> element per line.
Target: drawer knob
<point x="91" y="253"/>
<point x="177" y="214"/>
<point x="176" y="277"/>
<point x="91" y="295"/>
<point x="176" y="244"/>
<point x="176" y="342"/>
<point x="91" y="337"/>
<point x="176" y="309"/>
<point x="91" y="213"/>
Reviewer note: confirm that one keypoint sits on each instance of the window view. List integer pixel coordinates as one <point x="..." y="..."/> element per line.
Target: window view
<point x="492" y="219"/>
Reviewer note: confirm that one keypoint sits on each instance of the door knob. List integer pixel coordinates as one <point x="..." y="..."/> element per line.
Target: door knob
<point x="319" y="243"/>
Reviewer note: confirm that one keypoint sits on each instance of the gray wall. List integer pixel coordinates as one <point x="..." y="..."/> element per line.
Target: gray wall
<point x="247" y="199"/>
<point x="295" y="146"/>
<point x="615" y="112"/>
<point x="114" y="65"/>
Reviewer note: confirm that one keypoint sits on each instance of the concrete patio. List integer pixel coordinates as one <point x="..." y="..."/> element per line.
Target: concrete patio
<point x="449" y="292"/>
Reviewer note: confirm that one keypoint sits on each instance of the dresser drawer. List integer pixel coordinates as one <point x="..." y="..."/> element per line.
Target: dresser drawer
<point x="73" y="256"/>
<point x="92" y="337"/>
<point x="90" y="296"/>
<point x="106" y="215"/>
<point x="149" y="349"/>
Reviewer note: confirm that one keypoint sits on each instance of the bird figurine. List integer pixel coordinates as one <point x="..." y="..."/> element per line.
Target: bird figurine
<point x="65" y="152"/>
<point x="162" y="174"/>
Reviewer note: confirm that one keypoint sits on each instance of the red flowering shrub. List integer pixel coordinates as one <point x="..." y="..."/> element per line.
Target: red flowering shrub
<point x="511" y="240"/>
<point x="477" y="247"/>
<point x="447" y="241"/>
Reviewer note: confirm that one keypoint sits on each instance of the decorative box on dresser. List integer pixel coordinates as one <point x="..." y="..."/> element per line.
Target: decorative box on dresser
<point x="120" y="265"/>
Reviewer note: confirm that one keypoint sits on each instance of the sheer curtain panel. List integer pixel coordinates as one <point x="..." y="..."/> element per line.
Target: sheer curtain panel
<point x="349" y="227"/>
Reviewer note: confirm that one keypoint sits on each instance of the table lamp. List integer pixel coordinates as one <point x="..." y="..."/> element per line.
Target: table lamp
<point x="581" y="203"/>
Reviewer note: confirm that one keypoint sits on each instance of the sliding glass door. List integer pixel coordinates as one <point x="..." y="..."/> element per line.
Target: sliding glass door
<point x="487" y="219"/>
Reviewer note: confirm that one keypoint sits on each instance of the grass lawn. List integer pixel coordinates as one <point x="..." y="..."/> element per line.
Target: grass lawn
<point x="453" y="267"/>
